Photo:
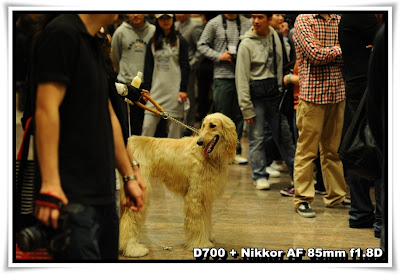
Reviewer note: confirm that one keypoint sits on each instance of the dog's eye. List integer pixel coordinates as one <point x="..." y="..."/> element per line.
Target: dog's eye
<point x="212" y="126"/>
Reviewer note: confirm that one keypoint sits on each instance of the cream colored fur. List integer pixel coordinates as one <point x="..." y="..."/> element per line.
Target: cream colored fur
<point x="182" y="166"/>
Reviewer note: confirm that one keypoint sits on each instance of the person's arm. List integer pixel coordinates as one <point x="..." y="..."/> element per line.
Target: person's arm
<point x="291" y="79"/>
<point x="206" y="43"/>
<point x="184" y="66"/>
<point x="242" y="80"/>
<point x="47" y="132"/>
<point x="116" y="50"/>
<point x="148" y="67"/>
<point x="135" y="189"/>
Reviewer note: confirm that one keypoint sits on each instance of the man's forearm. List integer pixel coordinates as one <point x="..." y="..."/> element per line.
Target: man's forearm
<point x="121" y="156"/>
<point x="47" y="134"/>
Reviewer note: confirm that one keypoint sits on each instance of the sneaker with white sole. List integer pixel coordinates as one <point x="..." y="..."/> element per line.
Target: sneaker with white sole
<point x="279" y="167"/>
<point x="272" y="172"/>
<point x="289" y="192"/>
<point x="239" y="160"/>
<point x="305" y="210"/>
<point x="262" y="183"/>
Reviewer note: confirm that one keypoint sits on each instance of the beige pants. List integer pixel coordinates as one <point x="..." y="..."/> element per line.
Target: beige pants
<point x="319" y="125"/>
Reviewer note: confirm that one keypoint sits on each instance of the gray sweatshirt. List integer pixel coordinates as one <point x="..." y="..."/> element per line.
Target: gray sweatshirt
<point x="128" y="48"/>
<point x="255" y="62"/>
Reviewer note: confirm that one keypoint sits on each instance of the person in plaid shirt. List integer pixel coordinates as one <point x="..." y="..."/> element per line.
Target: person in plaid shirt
<point x="320" y="112"/>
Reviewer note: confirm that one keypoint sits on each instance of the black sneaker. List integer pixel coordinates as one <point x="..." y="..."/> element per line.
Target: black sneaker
<point x="289" y="192"/>
<point x="305" y="210"/>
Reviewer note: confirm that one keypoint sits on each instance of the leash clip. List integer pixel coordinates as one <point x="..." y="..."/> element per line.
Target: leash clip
<point x="164" y="115"/>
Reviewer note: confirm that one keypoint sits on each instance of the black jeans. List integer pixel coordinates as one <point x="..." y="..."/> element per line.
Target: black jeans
<point x="362" y="209"/>
<point x="94" y="232"/>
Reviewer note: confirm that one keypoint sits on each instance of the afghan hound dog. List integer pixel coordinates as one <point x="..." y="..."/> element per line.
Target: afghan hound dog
<point x="194" y="167"/>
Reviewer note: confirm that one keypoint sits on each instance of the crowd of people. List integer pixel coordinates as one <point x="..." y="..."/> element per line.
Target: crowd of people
<point x="291" y="81"/>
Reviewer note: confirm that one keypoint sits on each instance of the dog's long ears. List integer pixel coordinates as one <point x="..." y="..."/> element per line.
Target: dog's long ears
<point x="229" y="130"/>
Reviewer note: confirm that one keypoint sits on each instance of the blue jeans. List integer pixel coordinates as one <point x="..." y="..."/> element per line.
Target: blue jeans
<point x="267" y="110"/>
<point x="94" y="232"/>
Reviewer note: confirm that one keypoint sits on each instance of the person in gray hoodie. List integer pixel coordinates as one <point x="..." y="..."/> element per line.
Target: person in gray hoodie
<point x="128" y="46"/>
<point x="258" y="74"/>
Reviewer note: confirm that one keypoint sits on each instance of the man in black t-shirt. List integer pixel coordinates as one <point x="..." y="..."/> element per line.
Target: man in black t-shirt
<point x="78" y="137"/>
<point x="356" y="35"/>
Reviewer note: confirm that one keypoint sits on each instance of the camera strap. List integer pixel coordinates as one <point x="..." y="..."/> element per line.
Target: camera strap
<point x="225" y="27"/>
<point x="274" y="57"/>
<point x="49" y="200"/>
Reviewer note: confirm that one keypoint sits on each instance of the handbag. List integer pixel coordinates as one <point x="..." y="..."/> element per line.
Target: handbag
<point x="25" y="178"/>
<point x="26" y="186"/>
<point x="266" y="89"/>
<point x="358" y="150"/>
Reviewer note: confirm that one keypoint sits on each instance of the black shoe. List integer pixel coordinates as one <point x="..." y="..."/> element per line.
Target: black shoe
<point x="377" y="233"/>
<point x="355" y="224"/>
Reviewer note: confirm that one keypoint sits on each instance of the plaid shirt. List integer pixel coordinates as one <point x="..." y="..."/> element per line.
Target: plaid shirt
<point x="320" y="59"/>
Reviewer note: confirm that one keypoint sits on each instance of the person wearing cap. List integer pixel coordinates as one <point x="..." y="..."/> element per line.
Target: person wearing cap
<point x="219" y="42"/>
<point x="166" y="73"/>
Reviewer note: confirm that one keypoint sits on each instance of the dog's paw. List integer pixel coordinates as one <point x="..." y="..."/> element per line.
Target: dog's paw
<point x="136" y="250"/>
<point x="212" y="238"/>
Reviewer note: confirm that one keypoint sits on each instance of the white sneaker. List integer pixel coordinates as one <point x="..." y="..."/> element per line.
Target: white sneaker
<point x="276" y="166"/>
<point x="272" y="172"/>
<point x="262" y="183"/>
<point x="239" y="160"/>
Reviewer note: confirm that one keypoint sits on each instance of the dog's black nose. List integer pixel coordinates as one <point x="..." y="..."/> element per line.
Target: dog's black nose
<point x="200" y="143"/>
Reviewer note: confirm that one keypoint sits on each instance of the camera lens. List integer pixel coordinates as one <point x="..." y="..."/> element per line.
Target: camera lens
<point x="31" y="238"/>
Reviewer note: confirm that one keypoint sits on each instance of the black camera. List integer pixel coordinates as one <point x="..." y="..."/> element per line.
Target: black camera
<point x="234" y="58"/>
<point x="56" y="241"/>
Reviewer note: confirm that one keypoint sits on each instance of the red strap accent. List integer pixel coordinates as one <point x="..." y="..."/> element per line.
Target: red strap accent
<point x="49" y="200"/>
<point x="47" y="204"/>
<point x="24" y="137"/>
